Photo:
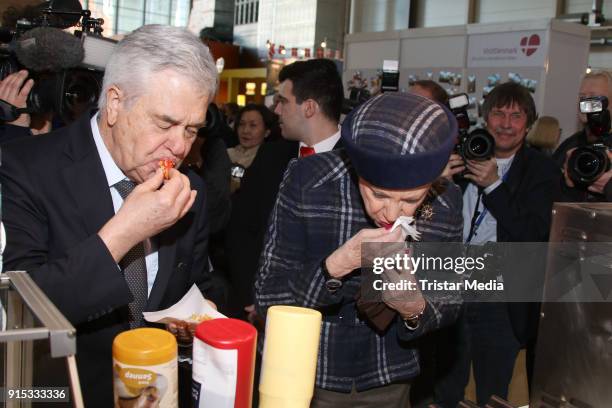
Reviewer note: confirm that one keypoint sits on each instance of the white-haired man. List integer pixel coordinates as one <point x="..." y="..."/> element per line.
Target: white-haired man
<point x="88" y="211"/>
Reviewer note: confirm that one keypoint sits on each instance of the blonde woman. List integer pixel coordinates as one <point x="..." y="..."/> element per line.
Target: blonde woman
<point x="544" y="134"/>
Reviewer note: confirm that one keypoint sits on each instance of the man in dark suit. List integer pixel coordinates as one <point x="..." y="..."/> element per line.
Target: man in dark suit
<point x="310" y="99"/>
<point x="101" y="252"/>
<point x="507" y="198"/>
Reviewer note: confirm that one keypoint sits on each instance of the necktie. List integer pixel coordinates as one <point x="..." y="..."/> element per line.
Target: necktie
<point x="134" y="268"/>
<point x="306" y="151"/>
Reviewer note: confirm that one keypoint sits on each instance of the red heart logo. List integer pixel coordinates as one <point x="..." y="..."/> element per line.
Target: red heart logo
<point x="530" y="44"/>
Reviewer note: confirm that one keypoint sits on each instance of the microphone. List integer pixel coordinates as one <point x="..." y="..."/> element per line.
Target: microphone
<point x="45" y="49"/>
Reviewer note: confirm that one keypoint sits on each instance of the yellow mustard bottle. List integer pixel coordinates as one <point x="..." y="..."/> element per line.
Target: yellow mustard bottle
<point x="145" y="371"/>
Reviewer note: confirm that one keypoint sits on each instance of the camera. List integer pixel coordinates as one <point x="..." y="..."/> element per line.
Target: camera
<point x="67" y="69"/>
<point x="588" y="162"/>
<point x="390" y="76"/>
<point x="475" y="145"/>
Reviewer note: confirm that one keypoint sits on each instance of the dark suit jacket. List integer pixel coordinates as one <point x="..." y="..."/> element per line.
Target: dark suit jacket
<point x="251" y="208"/>
<point x="522" y="206"/>
<point x="55" y="199"/>
<point x="8" y="133"/>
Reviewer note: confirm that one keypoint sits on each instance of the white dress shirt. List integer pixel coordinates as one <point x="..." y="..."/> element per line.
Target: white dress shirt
<point x="487" y="230"/>
<point x="113" y="176"/>
<point x="325" y="145"/>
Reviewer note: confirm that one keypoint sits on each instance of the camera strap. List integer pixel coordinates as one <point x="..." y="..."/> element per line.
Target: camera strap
<point x="478" y="216"/>
<point x="9" y="112"/>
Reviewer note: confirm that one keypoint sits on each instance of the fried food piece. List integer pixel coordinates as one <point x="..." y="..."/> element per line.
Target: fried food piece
<point x="198" y="318"/>
<point x="166" y="165"/>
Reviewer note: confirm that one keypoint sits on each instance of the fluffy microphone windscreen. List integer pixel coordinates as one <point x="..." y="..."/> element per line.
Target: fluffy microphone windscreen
<point x="45" y="49"/>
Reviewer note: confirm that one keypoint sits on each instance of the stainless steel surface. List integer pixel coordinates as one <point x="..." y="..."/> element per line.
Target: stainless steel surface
<point x="30" y="316"/>
<point x="61" y="333"/>
<point x="24" y="334"/>
<point x="574" y="352"/>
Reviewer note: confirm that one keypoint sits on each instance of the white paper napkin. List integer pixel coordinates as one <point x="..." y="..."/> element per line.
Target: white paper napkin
<point x="405" y="222"/>
<point x="193" y="307"/>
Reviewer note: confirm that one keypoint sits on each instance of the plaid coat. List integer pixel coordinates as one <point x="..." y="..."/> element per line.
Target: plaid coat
<point x="318" y="208"/>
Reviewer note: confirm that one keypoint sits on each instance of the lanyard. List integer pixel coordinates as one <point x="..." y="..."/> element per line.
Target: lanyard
<point x="478" y="218"/>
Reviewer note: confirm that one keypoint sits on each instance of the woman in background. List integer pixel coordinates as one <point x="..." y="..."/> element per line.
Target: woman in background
<point x="544" y="134"/>
<point x="253" y="124"/>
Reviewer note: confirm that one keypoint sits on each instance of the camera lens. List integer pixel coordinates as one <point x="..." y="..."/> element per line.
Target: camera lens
<point x="81" y="91"/>
<point x="587" y="163"/>
<point x="43" y="98"/>
<point x="479" y="145"/>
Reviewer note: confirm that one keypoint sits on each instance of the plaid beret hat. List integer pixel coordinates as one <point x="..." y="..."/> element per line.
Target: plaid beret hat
<point x="399" y="140"/>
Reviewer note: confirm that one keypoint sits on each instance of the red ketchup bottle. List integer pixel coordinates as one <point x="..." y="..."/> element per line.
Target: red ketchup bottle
<point x="223" y="364"/>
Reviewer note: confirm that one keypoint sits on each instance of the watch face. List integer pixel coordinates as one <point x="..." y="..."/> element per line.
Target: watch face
<point x="333" y="284"/>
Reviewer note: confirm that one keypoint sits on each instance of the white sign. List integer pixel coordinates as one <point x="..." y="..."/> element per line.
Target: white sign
<point x="390" y="65"/>
<point x="512" y="49"/>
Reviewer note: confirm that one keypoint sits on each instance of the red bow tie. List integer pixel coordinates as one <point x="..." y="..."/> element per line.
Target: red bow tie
<point x="306" y="151"/>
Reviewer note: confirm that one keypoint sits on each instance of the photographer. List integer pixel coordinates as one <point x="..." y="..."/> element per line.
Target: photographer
<point x="594" y="84"/>
<point x="506" y="198"/>
<point x="430" y="89"/>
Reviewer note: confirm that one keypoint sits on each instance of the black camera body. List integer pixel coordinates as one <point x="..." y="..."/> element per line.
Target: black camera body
<point x="65" y="69"/>
<point x="588" y="162"/>
<point x="475" y="145"/>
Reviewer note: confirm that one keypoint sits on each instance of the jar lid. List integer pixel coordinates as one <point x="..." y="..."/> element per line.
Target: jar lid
<point x="225" y="333"/>
<point x="144" y="346"/>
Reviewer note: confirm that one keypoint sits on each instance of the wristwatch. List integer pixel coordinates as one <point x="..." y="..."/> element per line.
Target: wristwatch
<point x="331" y="284"/>
<point x="413" y="322"/>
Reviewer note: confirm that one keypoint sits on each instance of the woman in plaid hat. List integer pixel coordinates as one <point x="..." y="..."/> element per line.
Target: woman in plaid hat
<point x="395" y="148"/>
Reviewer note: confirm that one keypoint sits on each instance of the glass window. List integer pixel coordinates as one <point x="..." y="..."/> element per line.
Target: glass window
<point x="135" y="13"/>
<point x="158" y="12"/>
<point x="246" y="11"/>
<point x="179" y="15"/>
<point x="131" y="15"/>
